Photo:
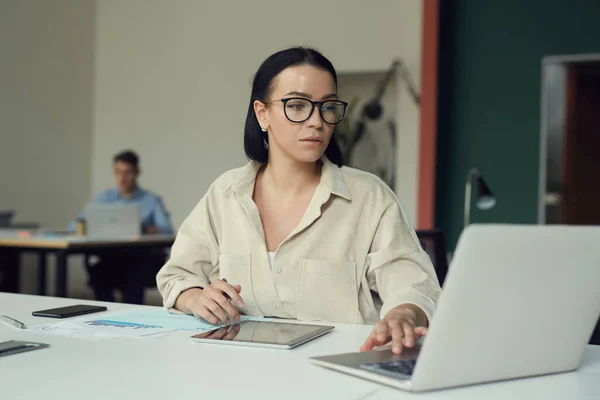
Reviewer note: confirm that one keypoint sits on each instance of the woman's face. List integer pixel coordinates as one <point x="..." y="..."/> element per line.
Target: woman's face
<point x="301" y="141"/>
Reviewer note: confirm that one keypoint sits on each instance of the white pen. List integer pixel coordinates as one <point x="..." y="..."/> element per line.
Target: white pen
<point x="13" y="322"/>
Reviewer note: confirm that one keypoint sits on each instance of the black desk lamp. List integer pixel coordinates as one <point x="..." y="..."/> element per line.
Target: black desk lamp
<point x="484" y="199"/>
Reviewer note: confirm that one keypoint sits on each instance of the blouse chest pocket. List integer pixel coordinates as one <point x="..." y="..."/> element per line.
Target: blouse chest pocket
<point x="237" y="270"/>
<point x="327" y="291"/>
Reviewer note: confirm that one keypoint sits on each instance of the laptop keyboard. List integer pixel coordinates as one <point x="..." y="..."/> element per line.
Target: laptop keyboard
<point x="402" y="369"/>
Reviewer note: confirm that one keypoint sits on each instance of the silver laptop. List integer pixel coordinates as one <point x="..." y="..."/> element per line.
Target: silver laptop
<point x="113" y="220"/>
<point x="518" y="301"/>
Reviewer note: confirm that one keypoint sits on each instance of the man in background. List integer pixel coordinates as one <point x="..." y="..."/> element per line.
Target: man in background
<point x="128" y="271"/>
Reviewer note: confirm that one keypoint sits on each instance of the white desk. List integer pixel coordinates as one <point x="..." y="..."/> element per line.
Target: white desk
<point x="174" y="368"/>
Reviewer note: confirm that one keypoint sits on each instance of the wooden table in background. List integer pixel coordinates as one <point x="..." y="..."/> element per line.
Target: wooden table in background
<point x="63" y="246"/>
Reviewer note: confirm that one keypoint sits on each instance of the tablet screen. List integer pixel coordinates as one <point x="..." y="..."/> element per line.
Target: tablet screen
<point x="264" y="332"/>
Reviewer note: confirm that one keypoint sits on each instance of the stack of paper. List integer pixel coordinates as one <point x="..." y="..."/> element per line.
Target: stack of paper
<point x="162" y="318"/>
<point x="101" y="329"/>
<point x="142" y="324"/>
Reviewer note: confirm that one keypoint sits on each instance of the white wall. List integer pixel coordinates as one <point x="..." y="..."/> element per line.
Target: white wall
<point x="46" y="76"/>
<point x="173" y="80"/>
<point x="46" y="94"/>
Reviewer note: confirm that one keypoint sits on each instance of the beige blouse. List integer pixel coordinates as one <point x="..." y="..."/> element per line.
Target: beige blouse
<point x="353" y="248"/>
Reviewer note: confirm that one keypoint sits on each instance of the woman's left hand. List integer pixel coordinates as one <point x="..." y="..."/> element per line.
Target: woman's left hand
<point x="404" y="322"/>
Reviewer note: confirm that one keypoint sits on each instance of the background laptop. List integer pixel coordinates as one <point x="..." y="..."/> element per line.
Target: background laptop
<point x="518" y="301"/>
<point x="113" y="220"/>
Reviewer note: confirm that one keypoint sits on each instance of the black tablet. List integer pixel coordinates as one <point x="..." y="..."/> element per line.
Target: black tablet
<point x="271" y="334"/>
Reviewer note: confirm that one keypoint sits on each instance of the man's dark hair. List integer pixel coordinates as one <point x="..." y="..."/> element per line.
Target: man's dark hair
<point x="128" y="157"/>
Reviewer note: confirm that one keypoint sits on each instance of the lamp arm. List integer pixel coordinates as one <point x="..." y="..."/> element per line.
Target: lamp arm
<point x="411" y="85"/>
<point x="473" y="173"/>
<point x="398" y="65"/>
<point x="386" y="80"/>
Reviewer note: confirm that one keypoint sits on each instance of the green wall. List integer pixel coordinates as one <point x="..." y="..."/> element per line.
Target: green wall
<point x="489" y="98"/>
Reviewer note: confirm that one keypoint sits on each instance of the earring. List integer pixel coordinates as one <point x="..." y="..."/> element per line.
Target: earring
<point x="263" y="129"/>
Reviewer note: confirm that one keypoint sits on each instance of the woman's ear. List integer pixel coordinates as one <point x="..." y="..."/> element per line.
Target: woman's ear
<point x="261" y="112"/>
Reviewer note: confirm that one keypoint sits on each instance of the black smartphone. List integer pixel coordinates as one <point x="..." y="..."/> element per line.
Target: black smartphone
<point x="70" y="311"/>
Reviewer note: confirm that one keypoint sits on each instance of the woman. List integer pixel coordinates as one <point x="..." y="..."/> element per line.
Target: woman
<point x="295" y="235"/>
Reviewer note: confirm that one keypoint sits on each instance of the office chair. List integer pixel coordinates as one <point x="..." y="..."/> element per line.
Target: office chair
<point x="5" y="218"/>
<point x="595" y="339"/>
<point x="9" y="268"/>
<point x="433" y="243"/>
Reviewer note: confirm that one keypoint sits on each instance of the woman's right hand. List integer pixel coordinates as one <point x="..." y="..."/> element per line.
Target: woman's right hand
<point x="213" y="303"/>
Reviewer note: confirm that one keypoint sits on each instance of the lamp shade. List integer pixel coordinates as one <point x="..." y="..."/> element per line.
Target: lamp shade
<point x="484" y="198"/>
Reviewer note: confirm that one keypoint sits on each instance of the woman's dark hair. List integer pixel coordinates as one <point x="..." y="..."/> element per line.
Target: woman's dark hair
<point x="254" y="138"/>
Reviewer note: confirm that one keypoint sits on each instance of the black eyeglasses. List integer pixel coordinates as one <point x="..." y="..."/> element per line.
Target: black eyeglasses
<point x="299" y="109"/>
